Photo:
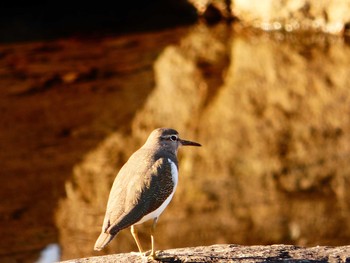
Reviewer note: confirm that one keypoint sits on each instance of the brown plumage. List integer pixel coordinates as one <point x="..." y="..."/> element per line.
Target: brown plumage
<point x="144" y="186"/>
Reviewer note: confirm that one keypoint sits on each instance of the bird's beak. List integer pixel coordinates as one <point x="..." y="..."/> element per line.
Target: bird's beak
<point x="188" y="143"/>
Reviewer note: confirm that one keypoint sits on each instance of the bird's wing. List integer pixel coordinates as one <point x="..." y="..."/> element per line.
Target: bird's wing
<point x="144" y="191"/>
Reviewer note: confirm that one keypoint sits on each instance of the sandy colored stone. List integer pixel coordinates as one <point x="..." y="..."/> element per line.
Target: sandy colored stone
<point x="271" y="110"/>
<point x="236" y="253"/>
<point x="272" y="114"/>
<point x="292" y="15"/>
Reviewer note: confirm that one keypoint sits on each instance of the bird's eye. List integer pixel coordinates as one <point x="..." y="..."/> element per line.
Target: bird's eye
<point x="173" y="138"/>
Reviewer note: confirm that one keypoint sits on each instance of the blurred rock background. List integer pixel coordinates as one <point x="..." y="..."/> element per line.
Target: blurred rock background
<point x="270" y="108"/>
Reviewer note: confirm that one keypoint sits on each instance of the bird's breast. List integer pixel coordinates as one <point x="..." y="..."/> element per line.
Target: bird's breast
<point x="174" y="173"/>
<point x="156" y="213"/>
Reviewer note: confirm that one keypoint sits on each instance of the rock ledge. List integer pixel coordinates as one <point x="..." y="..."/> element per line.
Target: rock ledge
<point x="236" y="253"/>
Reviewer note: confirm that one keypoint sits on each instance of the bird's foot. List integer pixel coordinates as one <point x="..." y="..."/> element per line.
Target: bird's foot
<point x="153" y="256"/>
<point x="150" y="254"/>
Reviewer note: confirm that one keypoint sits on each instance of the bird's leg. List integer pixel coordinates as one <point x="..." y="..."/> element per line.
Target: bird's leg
<point x="153" y="253"/>
<point x="134" y="234"/>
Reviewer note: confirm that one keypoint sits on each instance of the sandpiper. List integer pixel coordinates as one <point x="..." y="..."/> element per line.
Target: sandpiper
<point x="143" y="187"/>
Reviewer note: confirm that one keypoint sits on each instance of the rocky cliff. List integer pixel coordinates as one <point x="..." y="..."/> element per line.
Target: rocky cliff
<point x="272" y="116"/>
<point x="271" y="110"/>
<point x="321" y="16"/>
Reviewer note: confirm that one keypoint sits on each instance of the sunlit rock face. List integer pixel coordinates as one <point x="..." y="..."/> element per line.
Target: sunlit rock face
<point x="280" y="144"/>
<point x="292" y="15"/>
<point x="326" y="16"/>
<point x="59" y="100"/>
<point x="272" y="115"/>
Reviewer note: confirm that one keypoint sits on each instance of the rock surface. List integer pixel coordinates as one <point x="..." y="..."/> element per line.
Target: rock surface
<point x="60" y="99"/>
<point x="271" y="110"/>
<point x="272" y="113"/>
<point x="236" y="253"/>
<point x="291" y="15"/>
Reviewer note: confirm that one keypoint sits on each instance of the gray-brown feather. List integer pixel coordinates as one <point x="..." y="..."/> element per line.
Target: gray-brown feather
<point x="140" y="188"/>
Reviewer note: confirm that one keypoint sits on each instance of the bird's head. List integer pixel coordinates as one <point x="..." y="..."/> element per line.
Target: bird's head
<point x="169" y="139"/>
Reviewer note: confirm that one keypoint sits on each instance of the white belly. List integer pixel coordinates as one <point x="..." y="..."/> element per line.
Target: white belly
<point x="156" y="213"/>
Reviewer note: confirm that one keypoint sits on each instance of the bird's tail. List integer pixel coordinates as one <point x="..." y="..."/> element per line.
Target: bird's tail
<point x="103" y="240"/>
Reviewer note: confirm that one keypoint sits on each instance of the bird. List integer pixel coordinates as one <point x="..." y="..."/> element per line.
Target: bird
<point x="143" y="188"/>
